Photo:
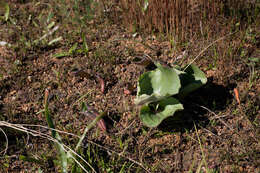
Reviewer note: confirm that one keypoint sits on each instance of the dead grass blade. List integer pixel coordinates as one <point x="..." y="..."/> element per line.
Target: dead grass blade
<point x="21" y="127"/>
<point x="202" y="152"/>
<point x="6" y="146"/>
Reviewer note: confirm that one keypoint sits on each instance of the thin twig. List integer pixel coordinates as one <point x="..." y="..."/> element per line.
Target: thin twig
<point x="45" y="127"/>
<point x="218" y="118"/>
<point x="126" y="128"/>
<point x="210" y="132"/>
<point x="6" y="138"/>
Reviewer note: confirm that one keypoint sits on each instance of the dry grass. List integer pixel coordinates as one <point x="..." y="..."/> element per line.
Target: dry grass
<point x="182" y="19"/>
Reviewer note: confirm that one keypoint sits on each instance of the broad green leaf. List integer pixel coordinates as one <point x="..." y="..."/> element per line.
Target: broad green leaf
<point x="191" y="80"/>
<point x="155" y="88"/>
<point x="157" y="85"/>
<point x="197" y="73"/>
<point x="168" y="106"/>
<point x="165" y="81"/>
<point x="145" y="99"/>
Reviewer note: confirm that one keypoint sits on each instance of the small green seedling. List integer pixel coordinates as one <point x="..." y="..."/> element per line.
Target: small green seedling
<point x="159" y="89"/>
<point x="75" y="49"/>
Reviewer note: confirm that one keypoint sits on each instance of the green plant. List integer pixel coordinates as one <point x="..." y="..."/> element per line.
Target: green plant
<point x="59" y="146"/>
<point x="67" y="157"/>
<point x="156" y="90"/>
<point x="74" y="50"/>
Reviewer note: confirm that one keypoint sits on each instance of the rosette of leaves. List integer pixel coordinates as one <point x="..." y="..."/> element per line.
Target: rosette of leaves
<point x="158" y="91"/>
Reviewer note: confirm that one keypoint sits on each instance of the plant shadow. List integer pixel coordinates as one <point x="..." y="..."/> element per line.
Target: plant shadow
<point x="211" y="96"/>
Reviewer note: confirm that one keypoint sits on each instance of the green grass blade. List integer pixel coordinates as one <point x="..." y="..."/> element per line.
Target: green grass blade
<point x="7" y="12"/>
<point x="92" y="124"/>
<point x="59" y="146"/>
<point x="55" y="40"/>
<point x="85" y="45"/>
<point x="60" y="55"/>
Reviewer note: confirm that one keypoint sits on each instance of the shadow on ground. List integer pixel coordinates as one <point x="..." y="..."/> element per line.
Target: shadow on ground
<point x="211" y="96"/>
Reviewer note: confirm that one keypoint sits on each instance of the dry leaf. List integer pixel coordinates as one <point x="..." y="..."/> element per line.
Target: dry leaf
<point x="237" y="95"/>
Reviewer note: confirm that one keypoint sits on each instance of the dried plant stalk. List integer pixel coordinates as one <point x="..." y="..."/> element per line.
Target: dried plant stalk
<point x="181" y="18"/>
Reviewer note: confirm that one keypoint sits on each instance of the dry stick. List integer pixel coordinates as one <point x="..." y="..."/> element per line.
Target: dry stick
<point x="6" y="138"/>
<point x="45" y="127"/>
<point x="221" y="38"/>
<point x="211" y="133"/>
